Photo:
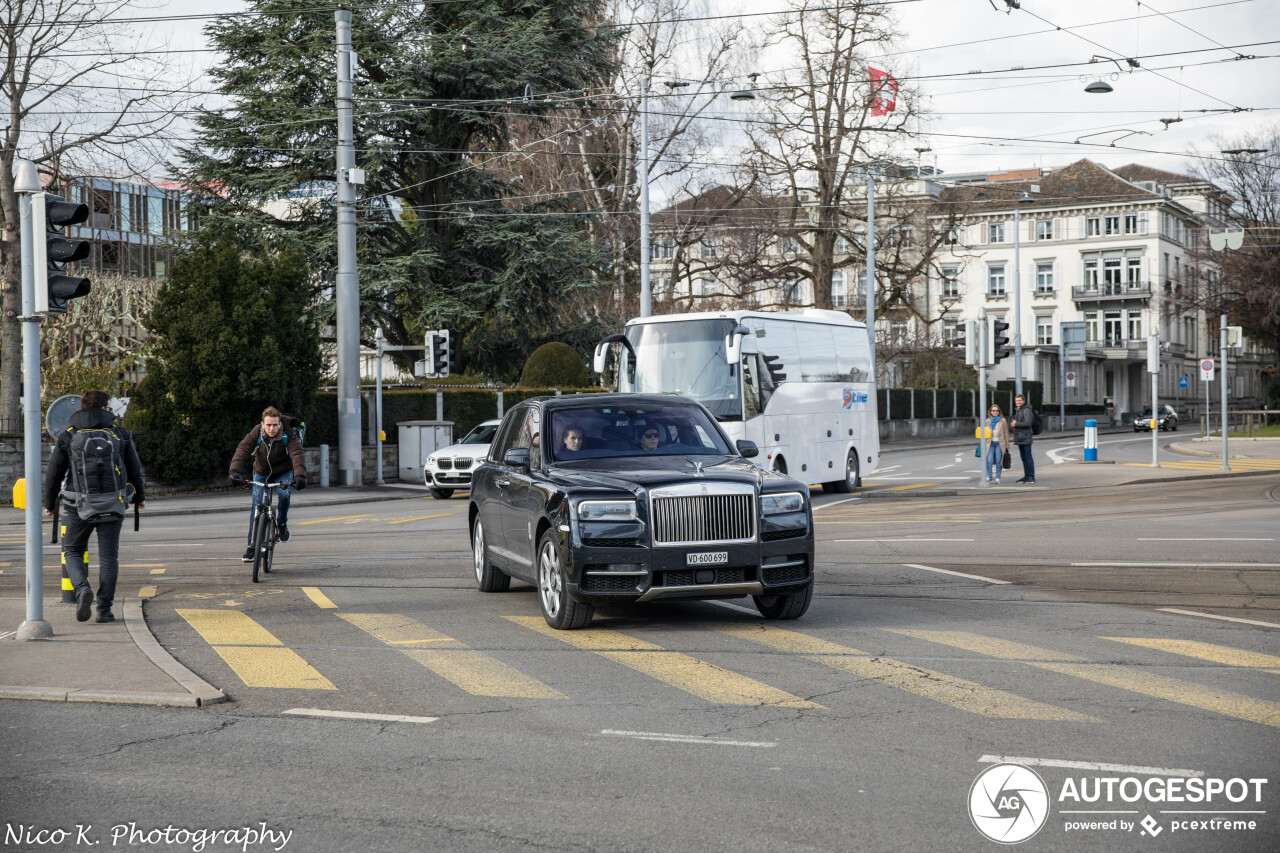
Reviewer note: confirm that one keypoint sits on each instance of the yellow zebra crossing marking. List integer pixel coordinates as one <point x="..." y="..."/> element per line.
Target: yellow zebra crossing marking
<point x="940" y="687"/>
<point x="1126" y="678"/>
<point x="319" y="598"/>
<point x="1205" y="651"/>
<point x="1216" y="464"/>
<point x="689" y="674"/>
<point x="253" y="652"/>
<point x="475" y="672"/>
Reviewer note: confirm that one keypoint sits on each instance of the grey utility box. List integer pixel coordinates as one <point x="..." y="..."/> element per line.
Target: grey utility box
<point x="418" y="440"/>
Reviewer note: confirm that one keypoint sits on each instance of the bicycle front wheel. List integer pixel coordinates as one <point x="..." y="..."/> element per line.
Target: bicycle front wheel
<point x="269" y="545"/>
<point x="261" y="533"/>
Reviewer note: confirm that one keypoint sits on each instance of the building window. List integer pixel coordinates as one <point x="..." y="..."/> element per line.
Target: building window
<point x="950" y="331"/>
<point x="1044" y="229"/>
<point x="1092" y="226"/>
<point x="1091" y="326"/>
<point x="1113" y="327"/>
<point x="1044" y="330"/>
<point x="791" y="292"/>
<point x="1112" y="224"/>
<point x="1135" y="325"/>
<point x="709" y="248"/>
<point x="839" y="292"/>
<point x="1133" y="271"/>
<point x="1044" y="277"/>
<point x="950" y="283"/>
<point x="842" y="245"/>
<point x="1111" y="274"/>
<point x="1131" y="223"/>
<point x="788" y="245"/>
<point x="995" y="280"/>
<point x="995" y="232"/>
<point x="1091" y="274"/>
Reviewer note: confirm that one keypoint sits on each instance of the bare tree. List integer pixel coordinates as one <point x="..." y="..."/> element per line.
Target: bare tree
<point x="816" y="135"/>
<point x="82" y="97"/>
<point x="1248" y="287"/>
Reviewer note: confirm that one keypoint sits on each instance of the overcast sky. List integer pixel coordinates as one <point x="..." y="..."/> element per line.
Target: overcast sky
<point x="1049" y="105"/>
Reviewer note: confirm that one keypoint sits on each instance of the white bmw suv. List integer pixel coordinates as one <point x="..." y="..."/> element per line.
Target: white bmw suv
<point x="450" y="468"/>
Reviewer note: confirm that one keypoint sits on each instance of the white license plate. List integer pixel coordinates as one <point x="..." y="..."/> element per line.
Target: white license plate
<point x="708" y="558"/>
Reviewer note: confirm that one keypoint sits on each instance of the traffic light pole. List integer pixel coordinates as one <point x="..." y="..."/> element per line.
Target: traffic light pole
<point x="982" y="390"/>
<point x="347" y="296"/>
<point x="26" y="183"/>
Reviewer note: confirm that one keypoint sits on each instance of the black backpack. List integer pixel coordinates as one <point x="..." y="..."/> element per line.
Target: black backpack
<point x="1037" y="423"/>
<point x="99" y="488"/>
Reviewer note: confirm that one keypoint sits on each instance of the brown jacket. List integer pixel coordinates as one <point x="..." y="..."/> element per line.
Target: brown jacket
<point x="271" y="458"/>
<point x="1001" y="434"/>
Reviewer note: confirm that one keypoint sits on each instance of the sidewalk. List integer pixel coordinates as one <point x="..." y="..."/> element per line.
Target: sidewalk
<point x="122" y="662"/>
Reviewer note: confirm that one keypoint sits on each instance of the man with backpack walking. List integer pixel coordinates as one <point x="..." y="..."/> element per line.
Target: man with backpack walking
<point x="275" y="459"/>
<point x="103" y="476"/>
<point x="1026" y="424"/>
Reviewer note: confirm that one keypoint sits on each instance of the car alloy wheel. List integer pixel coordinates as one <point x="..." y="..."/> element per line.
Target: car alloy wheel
<point x="488" y="577"/>
<point x="560" y="611"/>
<point x="478" y="551"/>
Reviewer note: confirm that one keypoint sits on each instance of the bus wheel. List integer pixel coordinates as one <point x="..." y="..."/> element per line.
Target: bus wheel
<point x="852" y="477"/>
<point x="780" y="465"/>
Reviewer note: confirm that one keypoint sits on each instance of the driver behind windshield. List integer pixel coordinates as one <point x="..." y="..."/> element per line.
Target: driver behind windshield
<point x="650" y="437"/>
<point x="570" y="446"/>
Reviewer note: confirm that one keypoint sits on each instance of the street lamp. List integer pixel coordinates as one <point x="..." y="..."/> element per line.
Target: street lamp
<point x="1025" y="198"/>
<point x="646" y="291"/>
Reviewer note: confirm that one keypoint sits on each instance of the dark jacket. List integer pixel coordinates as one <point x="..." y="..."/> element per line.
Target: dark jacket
<point x="1023" y="417"/>
<point x="60" y="461"/>
<point x="272" y="457"/>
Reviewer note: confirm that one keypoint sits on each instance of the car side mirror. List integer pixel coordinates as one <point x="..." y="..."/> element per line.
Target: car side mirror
<point x="517" y="457"/>
<point x="748" y="449"/>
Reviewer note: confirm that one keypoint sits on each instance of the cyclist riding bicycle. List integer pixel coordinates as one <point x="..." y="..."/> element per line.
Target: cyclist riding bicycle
<point x="275" y="459"/>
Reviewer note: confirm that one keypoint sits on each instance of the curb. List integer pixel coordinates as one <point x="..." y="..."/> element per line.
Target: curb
<point x="200" y="691"/>
<point x="69" y="694"/>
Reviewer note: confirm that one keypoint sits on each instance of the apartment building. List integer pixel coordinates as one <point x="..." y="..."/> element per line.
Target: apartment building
<point x="1112" y="256"/>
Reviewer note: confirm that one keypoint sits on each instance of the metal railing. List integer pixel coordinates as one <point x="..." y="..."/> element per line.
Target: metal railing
<point x="1245" y="421"/>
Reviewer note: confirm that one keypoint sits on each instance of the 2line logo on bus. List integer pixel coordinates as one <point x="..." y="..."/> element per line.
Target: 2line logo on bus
<point x="851" y="397"/>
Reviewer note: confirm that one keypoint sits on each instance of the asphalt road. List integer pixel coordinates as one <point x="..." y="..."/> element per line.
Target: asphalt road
<point x="945" y="633"/>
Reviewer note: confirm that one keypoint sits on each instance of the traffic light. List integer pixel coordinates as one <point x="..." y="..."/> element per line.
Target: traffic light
<point x="997" y="340"/>
<point x="53" y="250"/>
<point x="440" y="352"/>
<point x="454" y="363"/>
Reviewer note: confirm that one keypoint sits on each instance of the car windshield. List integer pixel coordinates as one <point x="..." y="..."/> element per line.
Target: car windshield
<point x="482" y="434"/>
<point x="608" y="431"/>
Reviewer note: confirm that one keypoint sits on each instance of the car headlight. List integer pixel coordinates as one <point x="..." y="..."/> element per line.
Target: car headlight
<point x="781" y="503"/>
<point x="622" y="510"/>
<point x="431" y="460"/>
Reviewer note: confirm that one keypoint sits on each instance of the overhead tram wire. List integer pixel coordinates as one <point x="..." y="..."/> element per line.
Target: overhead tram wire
<point x="1185" y="27"/>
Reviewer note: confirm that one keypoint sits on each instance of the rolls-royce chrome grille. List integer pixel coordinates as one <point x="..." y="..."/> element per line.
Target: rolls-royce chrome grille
<point x="690" y="517"/>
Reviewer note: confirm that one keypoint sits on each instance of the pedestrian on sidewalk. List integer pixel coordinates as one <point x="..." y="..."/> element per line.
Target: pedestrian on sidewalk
<point x="1024" y="418"/>
<point x="275" y="458"/>
<point x="999" y="446"/>
<point x="103" y="475"/>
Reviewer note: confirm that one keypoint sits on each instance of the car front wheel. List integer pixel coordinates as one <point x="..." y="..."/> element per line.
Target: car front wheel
<point x="789" y="606"/>
<point x="442" y="494"/>
<point x="488" y="578"/>
<point x="560" y="611"/>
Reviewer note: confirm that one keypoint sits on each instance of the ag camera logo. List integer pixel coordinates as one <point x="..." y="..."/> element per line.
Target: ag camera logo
<point x="1008" y="803"/>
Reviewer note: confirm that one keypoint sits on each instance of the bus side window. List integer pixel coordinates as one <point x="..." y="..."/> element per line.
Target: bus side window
<point x="752" y="400"/>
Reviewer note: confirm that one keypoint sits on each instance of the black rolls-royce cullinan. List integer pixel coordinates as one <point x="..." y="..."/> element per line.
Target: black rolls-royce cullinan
<point x="631" y="497"/>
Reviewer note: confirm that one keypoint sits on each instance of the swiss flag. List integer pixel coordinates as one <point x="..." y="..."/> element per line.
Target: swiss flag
<point x="884" y="92"/>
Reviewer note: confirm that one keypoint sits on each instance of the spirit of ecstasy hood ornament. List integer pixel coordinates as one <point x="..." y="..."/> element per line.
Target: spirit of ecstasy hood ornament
<point x="698" y="467"/>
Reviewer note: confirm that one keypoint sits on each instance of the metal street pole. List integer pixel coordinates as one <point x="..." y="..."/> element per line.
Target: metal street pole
<point x="1062" y="386"/>
<point x="1223" y="333"/>
<point x="26" y="183"/>
<point x="871" y="268"/>
<point x="381" y="340"/>
<point x="348" y="281"/>
<point x="983" y="348"/>
<point x="1017" y="299"/>
<point x="646" y="292"/>
<point x="1153" y="367"/>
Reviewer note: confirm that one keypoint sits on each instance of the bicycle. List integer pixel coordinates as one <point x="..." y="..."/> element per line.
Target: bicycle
<point x="266" y="530"/>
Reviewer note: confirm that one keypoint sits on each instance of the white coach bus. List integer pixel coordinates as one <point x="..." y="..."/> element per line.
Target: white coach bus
<point x="797" y="383"/>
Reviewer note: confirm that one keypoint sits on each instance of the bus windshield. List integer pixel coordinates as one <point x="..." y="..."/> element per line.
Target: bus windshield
<point x="684" y="357"/>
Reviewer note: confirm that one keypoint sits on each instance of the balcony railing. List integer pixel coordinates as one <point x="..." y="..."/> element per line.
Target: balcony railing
<point x="1119" y="290"/>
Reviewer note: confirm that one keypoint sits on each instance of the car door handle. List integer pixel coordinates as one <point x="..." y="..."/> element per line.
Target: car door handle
<point x="502" y="482"/>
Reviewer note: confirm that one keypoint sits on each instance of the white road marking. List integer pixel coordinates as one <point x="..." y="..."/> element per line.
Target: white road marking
<point x="736" y="607"/>
<point x="688" y="738"/>
<point x="1216" y="616"/>
<point x="1206" y="539"/>
<point x="957" y="574"/>
<point x="1175" y="564"/>
<point x="945" y="467"/>
<point x="1056" y="457"/>
<point x="172" y="545"/>
<point x="886" y="468"/>
<point x="837" y="503"/>
<point x="356" y="715"/>
<point x="921" y="539"/>
<point x="1090" y="765"/>
<point x="921" y="479"/>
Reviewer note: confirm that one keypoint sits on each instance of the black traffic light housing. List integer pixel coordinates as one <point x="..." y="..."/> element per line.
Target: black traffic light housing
<point x="440" y="352"/>
<point x="998" y="339"/>
<point x="53" y="250"/>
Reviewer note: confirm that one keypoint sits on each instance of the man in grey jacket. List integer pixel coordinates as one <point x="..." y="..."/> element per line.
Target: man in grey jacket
<point x="1023" y="418"/>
